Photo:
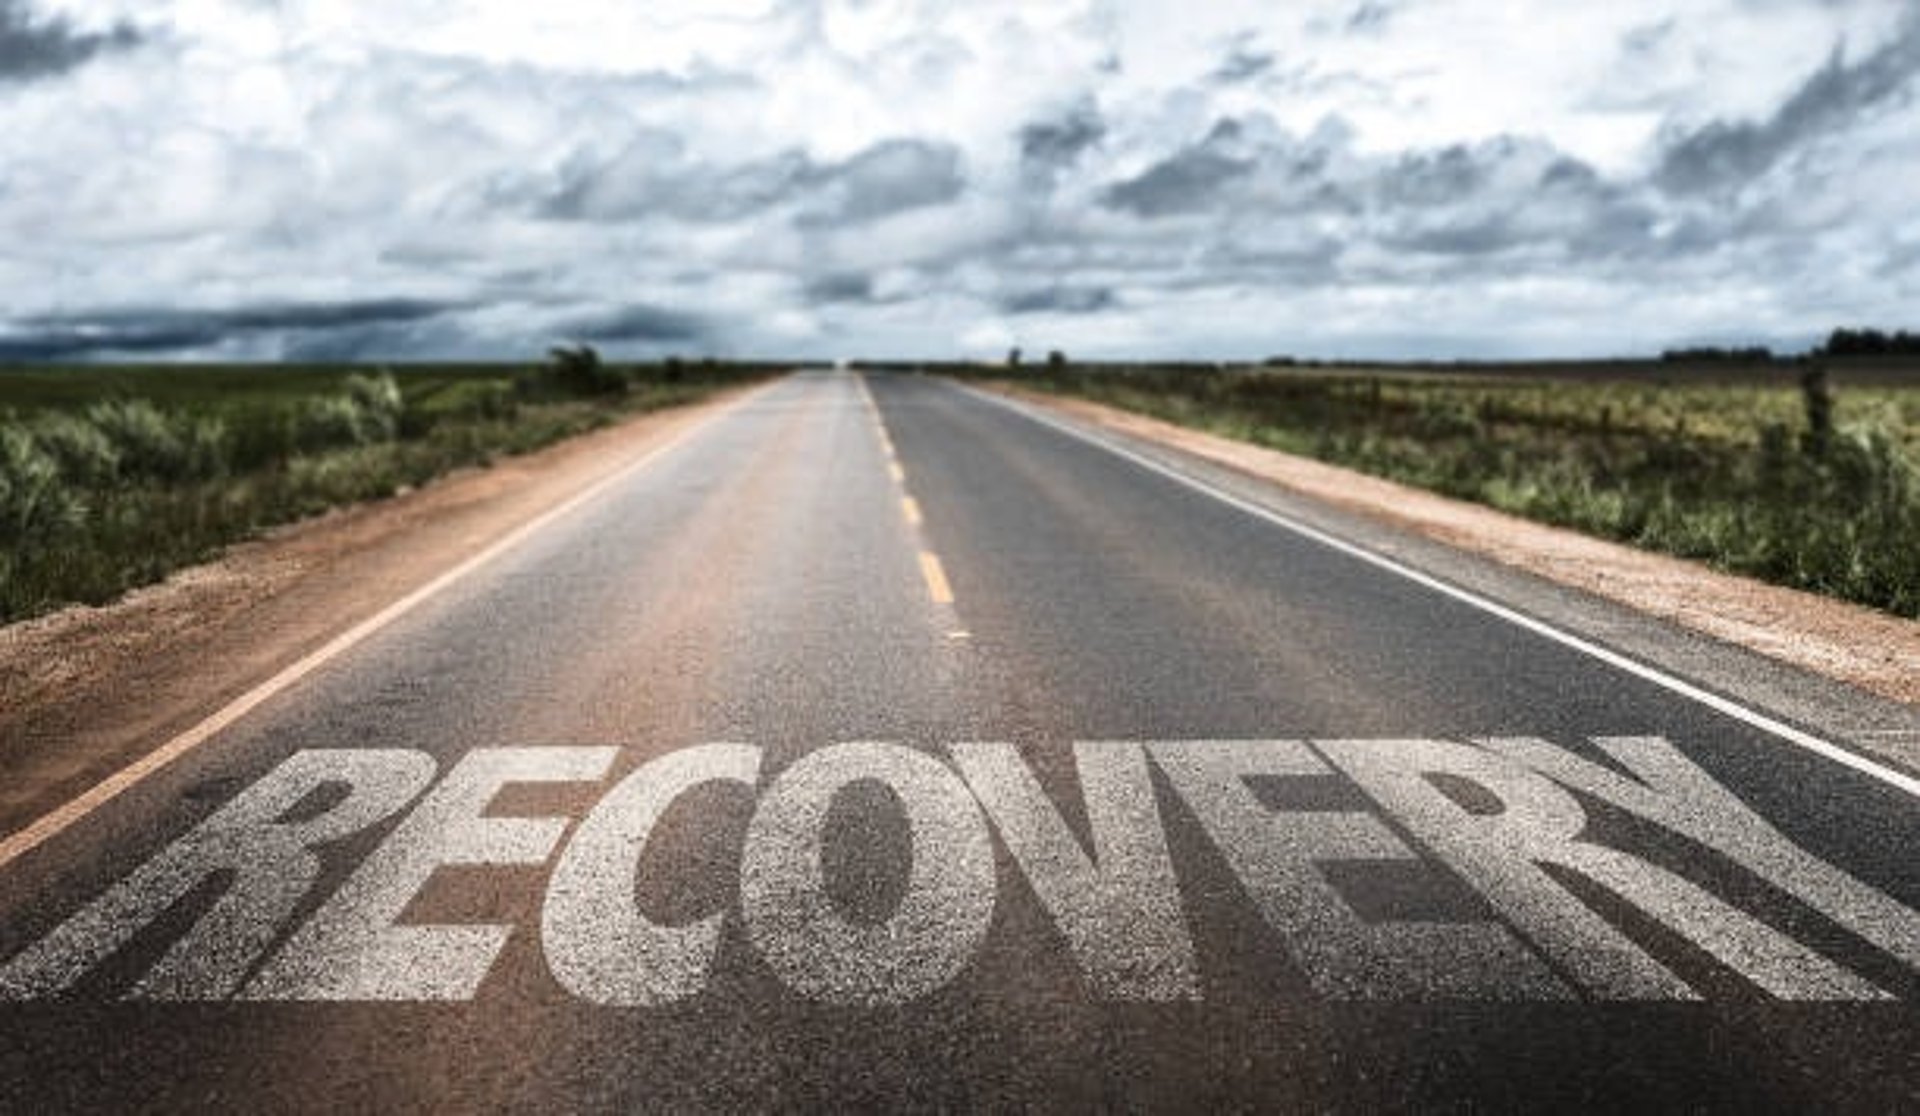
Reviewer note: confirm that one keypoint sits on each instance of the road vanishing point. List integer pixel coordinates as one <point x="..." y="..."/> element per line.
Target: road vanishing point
<point x="881" y="743"/>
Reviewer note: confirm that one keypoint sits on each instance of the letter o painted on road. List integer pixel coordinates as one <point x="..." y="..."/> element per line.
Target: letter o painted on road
<point x="598" y="944"/>
<point x="939" y="923"/>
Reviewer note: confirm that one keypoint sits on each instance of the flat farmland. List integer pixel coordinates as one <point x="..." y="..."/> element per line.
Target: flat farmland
<point x="1809" y="483"/>
<point x="112" y="477"/>
<point x="227" y="388"/>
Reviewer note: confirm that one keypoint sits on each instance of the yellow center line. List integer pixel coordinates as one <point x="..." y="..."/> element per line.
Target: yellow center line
<point x="938" y="587"/>
<point x="936" y="575"/>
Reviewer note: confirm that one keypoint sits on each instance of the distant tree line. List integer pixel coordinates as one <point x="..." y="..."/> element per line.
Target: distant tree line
<point x="1840" y="344"/>
<point x="1871" y="342"/>
<point x="1756" y="354"/>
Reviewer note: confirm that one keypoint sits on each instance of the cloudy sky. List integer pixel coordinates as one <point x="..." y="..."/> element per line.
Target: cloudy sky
<point x="327" y="179"/>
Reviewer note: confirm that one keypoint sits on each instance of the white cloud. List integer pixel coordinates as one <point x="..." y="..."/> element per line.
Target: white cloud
<point x="824" y="176"/>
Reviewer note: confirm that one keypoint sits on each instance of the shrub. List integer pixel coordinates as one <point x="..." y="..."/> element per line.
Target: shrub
<point x="85" y="454"/>
<point x="1817" y="395"/>
<point x="572" y="373"/>
<point x="36" y="505"/>
<point x="328" y="420"/>
<point x="146" y="441"/>
<point x="579" y="371"/>
<point x="380" y="403"/>
<point x="493" y="402"/>
<point x="367" y="412"/>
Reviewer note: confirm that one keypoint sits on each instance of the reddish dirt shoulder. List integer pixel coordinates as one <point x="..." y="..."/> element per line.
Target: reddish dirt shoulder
<point x="1875" y="651"/>
<point x="85" y="689"/>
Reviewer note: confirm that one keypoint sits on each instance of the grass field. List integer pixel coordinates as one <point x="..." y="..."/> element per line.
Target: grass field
<point x="1807" y="486"/>
<point x="114" y="477"/>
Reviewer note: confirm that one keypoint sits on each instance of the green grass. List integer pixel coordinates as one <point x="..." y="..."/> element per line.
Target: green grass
<point x="111" y="478"/>
<point x="1727" y="472"/>
<point x="223" y="388"/>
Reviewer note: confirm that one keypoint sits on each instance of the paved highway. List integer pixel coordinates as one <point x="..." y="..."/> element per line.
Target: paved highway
<point x="879" y="745"/>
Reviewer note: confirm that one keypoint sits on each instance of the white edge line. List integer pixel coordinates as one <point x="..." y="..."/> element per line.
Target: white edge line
<point x="50" y="825"/>
<point x="1806" y="740"/>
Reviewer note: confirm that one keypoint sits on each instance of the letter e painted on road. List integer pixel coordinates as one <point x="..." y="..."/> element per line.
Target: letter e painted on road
<point x="352" y="949"/>
<point x="1276" y="854"/>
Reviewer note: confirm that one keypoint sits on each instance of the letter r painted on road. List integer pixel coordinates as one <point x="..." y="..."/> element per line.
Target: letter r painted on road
<point x="1504" y="856"/>
<point x="272" y="862"/>
<point x="1672" y="791"/>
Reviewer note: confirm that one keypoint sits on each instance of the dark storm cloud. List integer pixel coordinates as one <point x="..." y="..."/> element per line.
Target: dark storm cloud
<point x="161" y="331"/>
<point x="1058" y="142"/>
<point x="1372" y="17"/>
<point x="1284" y="210"/>
<point x="1727" y="153"/>
<point x="1184" y="182"/>
<point x="33" y="47"/>
<point x="637" y="322"/>
<point x="1064" y="299"/>
<point x="842" y="287"/>
<point x="384" y="341"/>
<point x="1429" y="178"/>
<point x="1483" y="237"/>
<point x="651" y="180"/>
<point x="887" y="178"/>
<point x="330" y="315"/>
<point x="640" y="183"/>
<point x="55" y="343"/>
<point x="1243" y="64"/>
<point x="1648" y="38"/>
<point x="1505" y="195"/>
<point x="1050" y="148"/>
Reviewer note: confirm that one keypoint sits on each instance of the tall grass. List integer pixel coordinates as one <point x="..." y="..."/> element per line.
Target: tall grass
<point x="119" y="492"/>
<point x="1806" y="488"/>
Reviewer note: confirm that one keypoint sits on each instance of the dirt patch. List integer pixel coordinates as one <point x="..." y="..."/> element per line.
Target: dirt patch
<point x="1872" y="650"/>
<point x="84" y="689"/>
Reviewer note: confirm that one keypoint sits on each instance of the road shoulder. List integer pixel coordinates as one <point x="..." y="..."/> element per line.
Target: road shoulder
<point x="1850" y="673"/>
<point x="85" y="690"/>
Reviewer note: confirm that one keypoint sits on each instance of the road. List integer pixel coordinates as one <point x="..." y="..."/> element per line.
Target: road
<point x="878" y="745"/>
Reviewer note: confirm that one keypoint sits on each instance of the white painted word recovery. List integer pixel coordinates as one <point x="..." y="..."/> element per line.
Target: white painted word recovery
<point x="1509" y="817"/>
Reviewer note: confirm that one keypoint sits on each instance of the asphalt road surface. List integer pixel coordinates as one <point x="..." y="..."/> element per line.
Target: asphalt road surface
<point x="878" y="745"/>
